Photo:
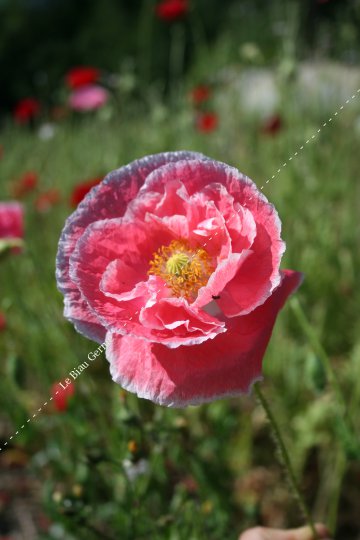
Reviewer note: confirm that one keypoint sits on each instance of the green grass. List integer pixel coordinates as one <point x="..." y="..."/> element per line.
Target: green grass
<point x="203" y="461"/>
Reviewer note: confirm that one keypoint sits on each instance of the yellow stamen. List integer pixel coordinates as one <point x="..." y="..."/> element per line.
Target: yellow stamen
<point x="184" y="269"/>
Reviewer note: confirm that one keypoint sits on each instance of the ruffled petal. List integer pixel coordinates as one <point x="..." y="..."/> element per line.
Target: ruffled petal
<point x="105" y="201"/>
<point x="188" y="326"/>
<point x="103" y="243"/>
<point x="225" y="366"/>
<point x="251" y="221"/>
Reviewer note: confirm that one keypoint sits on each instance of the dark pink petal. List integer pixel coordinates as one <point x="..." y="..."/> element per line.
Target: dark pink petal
<point x="107" y="200"/>
<point x="225" y="366"/>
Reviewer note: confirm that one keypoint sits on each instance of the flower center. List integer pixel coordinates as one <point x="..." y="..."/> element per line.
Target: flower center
<point x="184" y="269"/>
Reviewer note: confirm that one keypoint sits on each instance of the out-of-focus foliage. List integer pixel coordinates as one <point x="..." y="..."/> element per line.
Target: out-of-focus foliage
<point x="41" y="39"/>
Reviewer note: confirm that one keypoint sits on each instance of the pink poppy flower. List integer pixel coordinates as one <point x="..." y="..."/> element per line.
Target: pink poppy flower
<point x="11" y="220"/>
<point x="88" y="98"/>
<point x="173" y="262"/>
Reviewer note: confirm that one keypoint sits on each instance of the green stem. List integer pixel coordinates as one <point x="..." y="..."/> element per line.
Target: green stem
<point x="339" y="470"/>
<point x="285" y="458"/>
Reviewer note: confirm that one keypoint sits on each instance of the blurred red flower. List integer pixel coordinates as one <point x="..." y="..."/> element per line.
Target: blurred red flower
<point x="207" y="122"/>
<point x="272" y="125"/>
<point x="2" y="321"/>
<point x="61" y="395"/>
<point x="200" y="94"/>
<point x="172" y="10"/>
<point x="1" y="151"/>
<point x="27" y="109"/>
<point x="46" y="200"/>
<point x="82" y="189"/>
<point x="25" y="184"/>
<point x="81" y="76"/>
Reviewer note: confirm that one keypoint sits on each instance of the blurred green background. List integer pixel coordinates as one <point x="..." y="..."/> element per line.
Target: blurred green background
<point x="111" y="465"/>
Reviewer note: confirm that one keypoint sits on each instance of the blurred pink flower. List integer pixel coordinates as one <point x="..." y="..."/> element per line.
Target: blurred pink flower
<point x="11" y="220"/>
<point x="88" y="98"/>
<point x="11" y="226"/>
<point x="173" y="261"/>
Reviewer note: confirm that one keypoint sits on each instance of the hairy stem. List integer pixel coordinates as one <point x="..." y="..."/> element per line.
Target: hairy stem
<point x="285" y="458"/>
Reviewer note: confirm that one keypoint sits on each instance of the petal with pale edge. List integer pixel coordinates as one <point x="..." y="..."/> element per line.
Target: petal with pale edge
<point x="255" y="280"/>
<point x="105" y="201"/>
<point x="188" y="375"/>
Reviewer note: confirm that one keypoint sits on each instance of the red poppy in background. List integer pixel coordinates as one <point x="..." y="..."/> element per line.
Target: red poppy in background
<point x="172" y="10"/>
<point x="82" y="189"/>
<point x="25" y="184"/>
<point x="62" y="395"/>
<point x="200" y="94"/>
<point x="26" y="110"/>
<point x="1" y="151"/>
<point x="207" y="122"/>
<point x="2" y="321"/>
<point x="272" y="125"/>
<point x="46" y="200"/>
<point x="81" y="76"/>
